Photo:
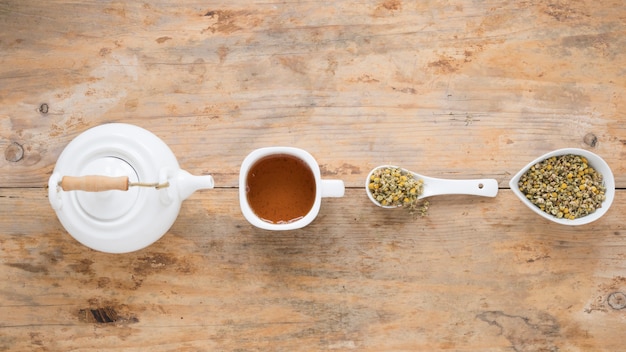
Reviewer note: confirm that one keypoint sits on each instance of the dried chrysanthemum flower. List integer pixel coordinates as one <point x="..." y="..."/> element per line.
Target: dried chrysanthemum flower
<point x="395" y="187"/>
<point x="564" y="186"/>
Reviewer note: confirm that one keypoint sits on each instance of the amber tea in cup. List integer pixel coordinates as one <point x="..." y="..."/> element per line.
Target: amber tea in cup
<point x="280" y="188"/>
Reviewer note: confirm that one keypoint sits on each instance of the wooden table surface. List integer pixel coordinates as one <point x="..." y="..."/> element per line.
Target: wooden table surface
<point x="453" y="89"/>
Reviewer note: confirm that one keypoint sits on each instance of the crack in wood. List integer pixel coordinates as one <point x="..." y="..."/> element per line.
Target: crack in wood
<point x="103" y="315"/>
<point x="525" y="334"/>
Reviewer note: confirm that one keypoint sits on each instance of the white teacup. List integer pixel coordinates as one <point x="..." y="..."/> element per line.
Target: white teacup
<point x="323" y="188"/>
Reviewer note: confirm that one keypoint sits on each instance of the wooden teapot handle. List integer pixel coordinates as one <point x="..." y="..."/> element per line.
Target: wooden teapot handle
<point x="94" y="183"/>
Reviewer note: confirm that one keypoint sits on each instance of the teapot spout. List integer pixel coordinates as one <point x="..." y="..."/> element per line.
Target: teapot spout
<point x="188" y="183"/>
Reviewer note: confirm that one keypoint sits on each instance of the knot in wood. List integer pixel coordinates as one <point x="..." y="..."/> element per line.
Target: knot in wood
<point x="14" y="152"/>
<point x="43" y="108"/>
<point x="590" y="139"/>
<point x="617" y="300"/>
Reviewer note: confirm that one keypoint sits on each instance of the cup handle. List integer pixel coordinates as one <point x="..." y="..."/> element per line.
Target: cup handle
<point x="332" y="188"/>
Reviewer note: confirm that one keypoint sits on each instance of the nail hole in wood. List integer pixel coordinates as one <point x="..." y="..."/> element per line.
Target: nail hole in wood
<point x="43" y="108"/>
<point x="480" y="186"/>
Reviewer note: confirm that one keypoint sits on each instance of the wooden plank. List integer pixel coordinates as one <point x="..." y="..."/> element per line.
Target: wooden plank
<point x="470" y="90"/>
<point x="477" y="275"/>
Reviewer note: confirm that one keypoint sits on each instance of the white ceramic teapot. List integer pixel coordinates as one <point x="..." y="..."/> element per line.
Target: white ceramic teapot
<point x="85" y="191"/>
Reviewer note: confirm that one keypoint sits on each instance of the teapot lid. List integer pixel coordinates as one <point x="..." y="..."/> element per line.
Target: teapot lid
<point x="116" y="221"/>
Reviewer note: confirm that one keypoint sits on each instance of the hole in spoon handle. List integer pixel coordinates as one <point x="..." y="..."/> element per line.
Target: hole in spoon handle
<point x="478" y="187"/>
<point x="94" y="183"/>
<point x="487" y="187"/>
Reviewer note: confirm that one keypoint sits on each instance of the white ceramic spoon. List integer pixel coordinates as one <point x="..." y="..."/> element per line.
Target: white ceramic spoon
<point x="485" y="187"/>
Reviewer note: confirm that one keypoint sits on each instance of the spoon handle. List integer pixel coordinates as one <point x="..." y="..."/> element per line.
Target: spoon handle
<point x="486" y="187"/>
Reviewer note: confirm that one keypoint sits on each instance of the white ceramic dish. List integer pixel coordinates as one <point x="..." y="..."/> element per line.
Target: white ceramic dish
<point x="594" y="161"/>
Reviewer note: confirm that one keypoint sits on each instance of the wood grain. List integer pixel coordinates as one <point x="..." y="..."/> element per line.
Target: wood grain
<point x="473" y="275"/>
<point x="478" y="90"/>
<point x="451" y="89"/>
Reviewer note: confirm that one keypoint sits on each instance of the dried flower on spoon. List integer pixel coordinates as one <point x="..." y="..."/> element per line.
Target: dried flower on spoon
<point x="395" y="187"/>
